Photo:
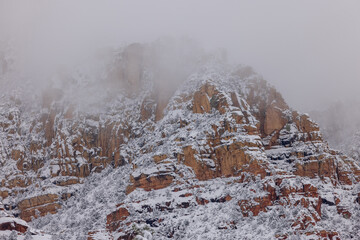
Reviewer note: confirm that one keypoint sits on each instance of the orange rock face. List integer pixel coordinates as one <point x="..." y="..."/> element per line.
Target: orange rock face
<point x="115" y="218"/>
<point x="201" y="103"/>
<point x="38" y="206"/>
<point x="9" y="223"/>
<point x="149" y="183"/>
<point x="274" y="120"/>
<point x="13" y="226"/>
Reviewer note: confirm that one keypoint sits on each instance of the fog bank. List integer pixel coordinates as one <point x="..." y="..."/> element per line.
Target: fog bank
<point x="310" y="50"/>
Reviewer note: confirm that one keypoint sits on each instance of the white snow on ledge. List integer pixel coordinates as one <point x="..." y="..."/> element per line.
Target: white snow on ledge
<point x="13" y="220"/>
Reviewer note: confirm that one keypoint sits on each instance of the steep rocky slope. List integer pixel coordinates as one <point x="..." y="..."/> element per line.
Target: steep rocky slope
<point x="213" y="153"/>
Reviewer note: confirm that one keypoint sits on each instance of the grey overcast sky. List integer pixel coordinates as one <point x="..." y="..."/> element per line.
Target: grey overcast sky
<point x="309" y="49"/>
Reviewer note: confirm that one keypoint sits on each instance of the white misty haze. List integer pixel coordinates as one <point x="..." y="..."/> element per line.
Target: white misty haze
<point x="310" y="50"/>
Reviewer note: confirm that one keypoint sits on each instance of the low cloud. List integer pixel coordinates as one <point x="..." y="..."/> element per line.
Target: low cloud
<point x="309" y="50"/>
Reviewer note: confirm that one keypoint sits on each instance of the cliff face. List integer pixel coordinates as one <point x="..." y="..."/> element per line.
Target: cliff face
<point x="220" y="156"/>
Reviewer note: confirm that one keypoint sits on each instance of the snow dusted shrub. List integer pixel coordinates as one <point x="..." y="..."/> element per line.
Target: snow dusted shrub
<point x="294" y="237"/>
<point x="295" y="212"/>
<point x="336" y="220"/>
<point x="168" y="194"/>
<point x="186" y="222"/>
<point x="40" y="222"/>
<point x="262" y="218"/>
<point x="80" y="236"/>
<point x="143" y="232"/>
<point x="28" y="235"/>
<point x="55" y="237"/>
<point x="37" y="213"/>
<point x="146" y="236"/>
<point x="13" y="235"/>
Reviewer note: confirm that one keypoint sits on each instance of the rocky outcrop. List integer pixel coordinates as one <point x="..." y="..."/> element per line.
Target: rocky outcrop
<point x="12" y="224"/>
<point x="115" y="218"/>
<point x="149" y="183"/>
<point x="229" y="161"/>
<point x="38" y="206"/>
<point x="274" y="120"/>
<point x="201" y="103"/>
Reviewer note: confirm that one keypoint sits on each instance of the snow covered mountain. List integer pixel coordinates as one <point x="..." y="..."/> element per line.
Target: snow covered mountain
<point x="163" y="146"/>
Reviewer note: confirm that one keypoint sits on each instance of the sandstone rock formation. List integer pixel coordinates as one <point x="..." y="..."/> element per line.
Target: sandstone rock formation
<point x="11" y="226"/>
<point x="220" y="155"/>
<point x="9" y="223"/>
